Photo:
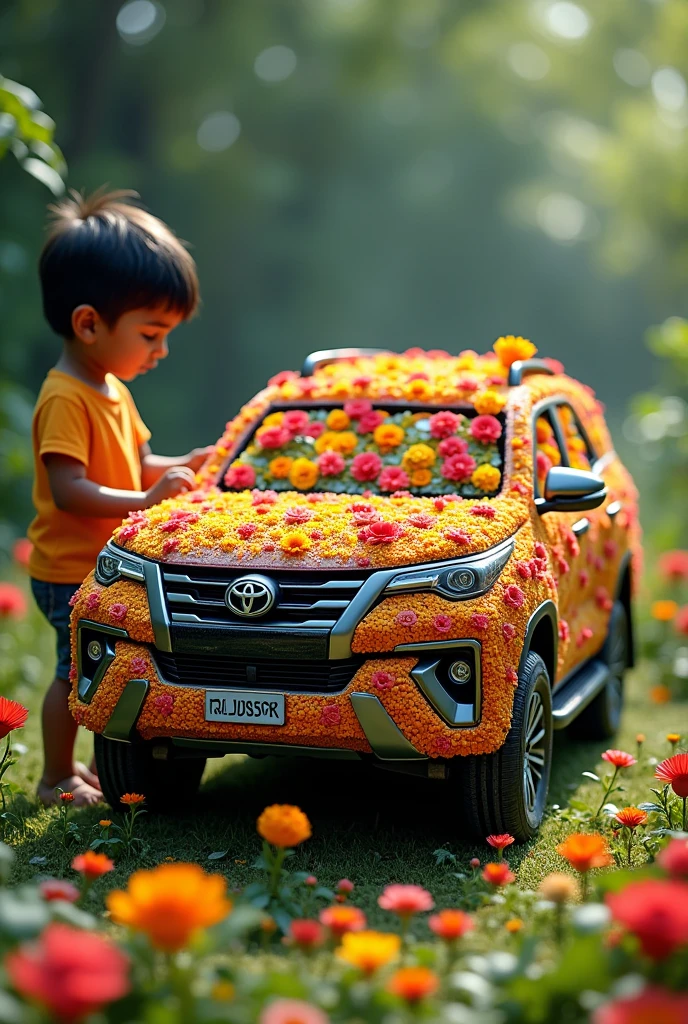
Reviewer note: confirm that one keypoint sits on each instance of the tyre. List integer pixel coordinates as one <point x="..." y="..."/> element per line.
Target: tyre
<point x="600" y="719"/>
<point x="131" y="768"/>
<point x="507" y="791"/>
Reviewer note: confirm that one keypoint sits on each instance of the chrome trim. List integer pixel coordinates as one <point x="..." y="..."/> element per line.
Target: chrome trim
<point x="124" y="717"/>
<point x="130" y="572"/>
<point x="519" y="369"/>
<point x="546" y="609"/>
<point x="425" y="676"/>
<point x="613" y="508"/>
<point x="205" y="621"/>
<point x="324" y="356"/>
<point x="156" y="604"/>
<point x="578" y="691"/>
<point x="487" y="567"/>
<point x="604" y="461"/>
<point x="386" y="739"/>
<point x="86" y="688"/>
<point x="218" y="748"/>
<point x="581" y="526"/>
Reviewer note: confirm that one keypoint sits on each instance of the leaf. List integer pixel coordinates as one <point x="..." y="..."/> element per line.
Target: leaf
<point x="282" y="919"/>
<point x="218" y="855"/>
<point x="657" y="808"/>
<point x="591" y="775"/>
<point x="45" y="174"/>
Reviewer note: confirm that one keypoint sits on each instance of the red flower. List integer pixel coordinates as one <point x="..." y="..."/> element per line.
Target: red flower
<point x="297" y="514"/>
<point x="656" y="911"/>
<point x="295" y="421"/>
<point x="118" y="611"/>
<point x="674" y="858"/>
<point x="498" y="874"/>
<point x="357" y="407"/>
<point x="21" y="551"/>
<point x="369" y="421"/>
<point x="12" y="602"/>
<point x="583" y="637"/>
<point x="467" y="384"/>
<point x="564" y="631"/>
<point x="128" y="532"/>
<point x="458" y="536"/>
<point x="343" y="919"/>
<point x="511" y="676"/>
<point x="331" y="715"/>
<point x="246" y="530"/>
<point x="450" y="924"/>
<point x="381" y="532"/>
<point x="273" y="437"/>
<point x="484" y="510"/>
<point x="405" y="900"/>
<point x="508" y="631"/>
<point x="282" y="377"/>
<point x="674" y="565"/>
<point x="513" y="596"/>
<point x="345" y="885"/>
<point x="675" y="771"/>
<point x="314" y="429"/>
<point x="480" y="621"/>
<point x="444" y="424"/>
<point x="57" y="889"/>
<point x="165" y="704"/>
<point x="422" y="520"/>
<point x="452" y="446"/>
<point x="365" y="466"/>
<point x="655" y="1005"/>
<point x="307" y="934"/>
<point x="71" y="973"/>
<point x="66" y="798"/>
<point x="486" y="429"/>
<point x="92" y="865"/>
<point x="442" y="623"/>
<point x="240" y="477"/>
<point x="540" y="550"/>
<point x="393" y="478"/>
<point x="681" y="620"/>
<point x="13" y="715"/>
<point x="330" y="463"/>
<point x="500" y="842"/>
<point x="619" y="758"/>
<point x="383" y="680"/>
<point x="458" y="467"/>
<point x="631" y="817"/>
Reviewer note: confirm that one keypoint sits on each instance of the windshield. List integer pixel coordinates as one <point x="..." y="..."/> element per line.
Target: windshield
<point x="360" y="447"/>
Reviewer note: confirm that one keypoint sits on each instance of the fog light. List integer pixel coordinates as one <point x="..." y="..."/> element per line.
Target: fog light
<point x="459" y="671"/>
<point x="95" y="650"/>
<point x="461" y="579"/>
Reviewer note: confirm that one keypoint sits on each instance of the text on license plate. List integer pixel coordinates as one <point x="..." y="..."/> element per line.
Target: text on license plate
<point x="244" y="706"/>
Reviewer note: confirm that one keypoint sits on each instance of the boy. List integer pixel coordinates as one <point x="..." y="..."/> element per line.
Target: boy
<point x="115" y="282"/>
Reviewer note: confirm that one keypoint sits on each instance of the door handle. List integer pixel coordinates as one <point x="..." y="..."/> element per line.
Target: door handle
<point x="581" y="526"/>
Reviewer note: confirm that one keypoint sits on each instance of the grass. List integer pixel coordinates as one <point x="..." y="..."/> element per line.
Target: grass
<point x="371" y="826"/>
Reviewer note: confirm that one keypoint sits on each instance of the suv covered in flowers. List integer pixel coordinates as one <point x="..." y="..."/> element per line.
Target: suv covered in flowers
<point x="421" y="560"/>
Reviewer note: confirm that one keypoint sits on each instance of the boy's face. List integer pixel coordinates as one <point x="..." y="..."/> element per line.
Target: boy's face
<point x="134" y="344"/>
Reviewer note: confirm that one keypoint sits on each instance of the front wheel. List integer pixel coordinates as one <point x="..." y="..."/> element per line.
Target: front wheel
<point x="507" y="791"/>
<point x="131" y="768"/>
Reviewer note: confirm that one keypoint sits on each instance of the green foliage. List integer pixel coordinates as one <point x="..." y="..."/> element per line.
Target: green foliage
<point x="27" y="131"/>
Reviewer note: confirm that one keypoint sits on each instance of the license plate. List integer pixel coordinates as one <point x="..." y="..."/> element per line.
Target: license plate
<point x="249" y="706"/>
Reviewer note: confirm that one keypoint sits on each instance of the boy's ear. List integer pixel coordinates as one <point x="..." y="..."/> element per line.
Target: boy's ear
<point x="85" y="323"/>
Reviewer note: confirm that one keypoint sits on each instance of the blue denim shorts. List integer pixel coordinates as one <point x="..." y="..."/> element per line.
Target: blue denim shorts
<point x="53" y="600"/>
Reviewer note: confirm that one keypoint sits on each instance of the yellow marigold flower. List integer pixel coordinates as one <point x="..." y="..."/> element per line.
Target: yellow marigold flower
<point x="325" y="442"/>
<point x="279" y="466"/>
<point x="513" y="925"/>
<point x="295" y="542"/>
<point x="385" y="364"/>
<point x="552" y="452"/>
<point x="303" y="474"/>
<point x="486" y="478"/>
<point x="289" y="389"/>
<point x="170" y="903"/>
<point x="223" y="991"/>
<point x="578" y="461"/>
<point x="388" y="435"/>
<point x="418" y="456"/>
<point x="338" y="420"/>
<point x="131" y="799"/>
<point x="663" y="611"/>
<point x="341" y="389"/>
<point x="418" y="390"/>
<point x="421" y="477"/>
<point x="343" y="442"/>
<point x="576" y="444"/>
<point x="489" y="403"/>
<point x="273" y="420"/>
<point x="509" y="349"/>
<point x="673" y="738"/>
<point x="558" y="887"/>
<point x="284" y="825"/>
<point x="517" y="442"/>
<point x="105" y="823"/>
<point x="369" y="950"/>
<point x="543" y="431"/>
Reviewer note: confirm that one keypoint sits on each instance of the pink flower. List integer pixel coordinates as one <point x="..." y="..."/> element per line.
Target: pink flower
<point x="365" y="466"/>
<point x="295" y="421"/>
<point x="442" y="623"/>
<point x="165" y="704"/>
<point x="467" y="384"/>
<point x="118" y="611"/>
<point x="369" y="421"/>
<point x="92" y="601"/>
<point x="564" y="631"/>
<point x="128" y="531"/>
<point x="246" y="530"/>
<point x="519" y="488"/>
<point x="357" y="407"/>
<point x="316" y="535"/>
<point x="422" y="520"/>
<point x="610" y="548"/>
<point x="314" y="429"/>
<point x="297" y="514"/>
<point x="511" y="676"/>
<point x="540" y="550"/>
<point x="674" y="858"/>
<point x="444" y="423"/>
<point x="363" y="562"/>
<point x="524" y="570"/>
<point x="484" y="510"/>
<point x="56" y="889"/>
<point x="364" y="514"/>
<point x="380" y="532"/>
<point x="508" y="631"/>
<point x="602" y="599"/>
<point x="362" y="382"/>
<point x="273" y="437"/>
<point x="486" y="429"/>
<point x="452" y="446"/>
<point x="458" y="467"/>
<point x="583" y="577"/>
<point x="513" y="596"/>
<point x="584" y="635"/>
<point x="543" y="464"/>
<point x="75" y="597"/>
<point x="240" y="477"/>
<point x="443" y="744"/>
<point x="263" y="497"/>
<point x="330" y="463"/>
<point x="170" y="545"/>
<point x="383" y="680"/>
<point x="405" y="900"/>
<point x="292" y="1011"/>
<point x="138" y="665"/>
<point x="330" y="715"/>
<point x="345" y="885"/>
<point x="393" y="478"/>
<point x="407" y="618"/>
<point x="501" y="841"/>
<point x="282" y="377"/>
<point x="480" y="621"/>
<point x="458" y="536"/>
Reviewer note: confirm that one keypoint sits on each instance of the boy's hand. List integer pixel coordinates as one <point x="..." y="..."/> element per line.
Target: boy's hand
<point x="197" y="456"/>
<point x="176" y="480"/>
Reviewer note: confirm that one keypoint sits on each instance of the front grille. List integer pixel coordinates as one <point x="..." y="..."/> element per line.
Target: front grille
<point x="212" y="670"/>
<point x="196" y="594"/>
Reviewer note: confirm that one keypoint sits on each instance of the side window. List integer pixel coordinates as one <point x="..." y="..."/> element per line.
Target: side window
<point x="579" y="453"/>
<point x="547" y="450"/>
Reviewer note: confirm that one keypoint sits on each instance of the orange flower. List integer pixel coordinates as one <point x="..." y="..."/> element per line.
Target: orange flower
<point x="413" y="983"/>
<point x="338" y="420"/>
<point x="369" y="950"/>
<point x="489" y="402"/>
<point x="284" y="825"/>
<point x="631" y="817"/>
<point x="660" y="694"/>
<point x="92" y="865"/>
<point x="618" y="758"/>
<point x="584" y="852"/>
<point x="170" y="903"/>
<point x="450" y="924"/>
<point x="421" y="477"/>
<point x="296" y="542"/>
<point x="279" y="466"/>
<point x="513" y="925"/>
<point x="388" y="435"/>
<point x="509" y="349"/>
<point x="342" y="919"/>
<point x="418" y="390"/>
<point x="131" y="799"/>
<point x="303" y="474"/>
<point x="417" y="456"/>
<point x="501" y="841"/>
<point x="486" y="478"/>
<point x="105" y="823"/>
<point x="498" y="873"/>
<point x="66" y="798"/>
<point x="663" y="611"/>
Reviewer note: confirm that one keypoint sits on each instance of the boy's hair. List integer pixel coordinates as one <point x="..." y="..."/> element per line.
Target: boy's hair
<point x="104" y="252"/>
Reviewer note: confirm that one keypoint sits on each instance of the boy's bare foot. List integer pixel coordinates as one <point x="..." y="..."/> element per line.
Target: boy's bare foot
<point x="89" y="775"/>
<point x="84" y="794"/>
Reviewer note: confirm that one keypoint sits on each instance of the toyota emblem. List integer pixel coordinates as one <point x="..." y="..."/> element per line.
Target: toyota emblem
<point x="251" y="596"/>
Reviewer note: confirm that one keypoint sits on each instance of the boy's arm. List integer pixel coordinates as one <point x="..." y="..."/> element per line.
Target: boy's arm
<point x="153" y="466"/>
<point x="73" y="492"/>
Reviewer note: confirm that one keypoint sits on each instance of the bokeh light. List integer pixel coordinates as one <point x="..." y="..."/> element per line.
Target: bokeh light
<point x="275" y="64"/>
<point x="218" y="131"/>
<point x="139" y="21"/>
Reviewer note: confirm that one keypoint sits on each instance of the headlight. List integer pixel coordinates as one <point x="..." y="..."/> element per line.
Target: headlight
<point x="465" y="578"/>
<point x="111" y="566"/>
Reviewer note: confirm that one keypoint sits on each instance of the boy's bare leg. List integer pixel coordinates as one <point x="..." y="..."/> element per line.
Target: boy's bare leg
<point x="59" y="734"/>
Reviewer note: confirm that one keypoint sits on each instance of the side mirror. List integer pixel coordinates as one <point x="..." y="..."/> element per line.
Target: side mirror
<point x="571" y="490"/>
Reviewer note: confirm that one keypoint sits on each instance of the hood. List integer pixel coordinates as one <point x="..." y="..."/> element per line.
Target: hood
<point x="291" y="530"/>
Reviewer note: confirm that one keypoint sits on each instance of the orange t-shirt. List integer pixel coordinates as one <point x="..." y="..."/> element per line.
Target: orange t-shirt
<point x="105" y="433"/>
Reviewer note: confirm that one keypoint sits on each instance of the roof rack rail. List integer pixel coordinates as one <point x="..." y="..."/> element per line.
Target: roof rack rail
<point x="519" y="369"/>
<point x="331" y="355"/>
